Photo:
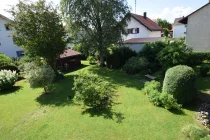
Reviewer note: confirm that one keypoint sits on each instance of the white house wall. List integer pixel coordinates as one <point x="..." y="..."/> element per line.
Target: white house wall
<point x="6" y="42"/>
<point x="135" y="47"/>
<point x="198" y="32"/>
<point x="143" y="31"/>
<point x="179" y="31"/>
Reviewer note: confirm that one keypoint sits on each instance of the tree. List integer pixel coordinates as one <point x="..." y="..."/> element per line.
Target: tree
<point x="165" y="25"/>
<point x="95" y="23"/>
<point x="38" y="29"/>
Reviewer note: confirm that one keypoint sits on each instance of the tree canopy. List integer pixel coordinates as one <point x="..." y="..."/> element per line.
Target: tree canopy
<point x="96" y="24"/>
<point x="38" y="29"/>
<point x="167" y="26"/>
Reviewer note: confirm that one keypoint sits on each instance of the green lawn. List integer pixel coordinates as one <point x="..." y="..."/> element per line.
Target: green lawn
<point x="26" y="114"/>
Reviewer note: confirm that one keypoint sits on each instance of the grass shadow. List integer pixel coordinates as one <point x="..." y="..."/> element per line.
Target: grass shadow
<point x="63" y="94"/>
<point x="177" y="112"/>
<point x="105" y="113"/>
<point x="74" y="69"/>
<point x="11" y="91"/>
<point x="117" y="77"/>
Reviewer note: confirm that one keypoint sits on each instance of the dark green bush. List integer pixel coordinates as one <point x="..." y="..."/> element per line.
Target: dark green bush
<point x="194" y="132"/>
<point x="180" y="82"/>
<point x="135" y="65"/>
<point x="118" y="56"/>
<point x="197" y="58"/>
<point x="204" y="69"/>
<point x="174" y="54"/>
<point x="93" y="91"/>
<point x="168" y="101"/>
<point x="6" y="63"/>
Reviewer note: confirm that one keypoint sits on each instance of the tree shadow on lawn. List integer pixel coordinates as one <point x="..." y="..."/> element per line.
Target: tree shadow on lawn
<point x="62" y="95"/>
<point x="105" y="113"/>
<point x="11" y="91"/>
<point x="117" y="77"/>
<point x="74" y="69"/>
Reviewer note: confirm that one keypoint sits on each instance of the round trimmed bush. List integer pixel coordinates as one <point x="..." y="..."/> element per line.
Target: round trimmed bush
<point x="180" y="82"/>
<point x="7" y="79"/>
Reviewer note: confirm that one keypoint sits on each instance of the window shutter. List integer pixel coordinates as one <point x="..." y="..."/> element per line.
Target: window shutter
<point x="137" y="30"/>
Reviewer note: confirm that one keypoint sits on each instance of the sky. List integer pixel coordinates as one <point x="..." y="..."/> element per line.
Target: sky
<point x="164" y="9"/>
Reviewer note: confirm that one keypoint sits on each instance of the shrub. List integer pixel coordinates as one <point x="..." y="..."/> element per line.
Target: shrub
<point x="151" y="86"/>
<point x="39" y="76"/>
<point x="174" y="54"/>
<point x="204" y="69"/>
<point x="135" y="65"/>
<point x="168" y="101"/>
<point x="7" y="79"/>
<point x="197" y="58"/>
<point x="91" y="59"/>
<point x="93" y="91"/>
<point x="4" y="60"/>
<point x="180" y="82"/>
<point x="205" y="138"/>
<point x="154" y="97"/>
<point x="118" y="56"/>
<point x="194" y="132"/>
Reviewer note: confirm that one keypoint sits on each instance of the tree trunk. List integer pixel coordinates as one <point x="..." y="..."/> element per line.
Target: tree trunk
<point x="102" y="64"/>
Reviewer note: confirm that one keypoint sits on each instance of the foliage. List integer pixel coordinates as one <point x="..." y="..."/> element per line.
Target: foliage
<point x="7" y="79"/>
<point x="135" y="65"/>
<point x="204" y="69"/>
<point x="92" y="59"/>
<point x="77" y="47"/>
<point x="150" y="51"/>
<point x="168" y="101"/>
<point x="4" y="60"/>
<point x="93" y="91"/>
<point x="197" y="58"/>
<point x="118" y="56"/>
<point x="165" y="25"/>
<point x="180" y="82"/>
<point x="39" y="76"/>
<point x="153" y="90"/>
<point x="150" y="86"/>
<point x="101" y="22"/>
<point x="174" y="54"/>
<point x="194" y="132"/>
<point x="39" y="30"/>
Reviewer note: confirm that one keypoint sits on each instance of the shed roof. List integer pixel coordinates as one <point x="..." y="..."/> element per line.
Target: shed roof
<point x="69" y="53"/>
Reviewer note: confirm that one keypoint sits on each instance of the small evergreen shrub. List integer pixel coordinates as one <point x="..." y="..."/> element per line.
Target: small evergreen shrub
<point x="194" y="132"/>
<point x="150" y="86"/>
<point x="7" y="79"/>
<point x="39" y="76"/>
<point x="4" y="60"/>
<point x="93" y="91"/>
<point x="204" y="69"/>
<point x="180" y="82"/>
<point x="135" y="65"/>
<point x="154" y="97"/>
<point x="118" y="56"/>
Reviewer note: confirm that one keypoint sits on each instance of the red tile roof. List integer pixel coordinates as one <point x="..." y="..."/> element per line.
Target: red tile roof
<point x="148" y="23"/>
<point x="69" y="53"/>
<point x="143" y="40"/>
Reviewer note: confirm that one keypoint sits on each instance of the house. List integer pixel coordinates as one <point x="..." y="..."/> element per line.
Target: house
<point x="179" y="29"/>
<point x="141" y="30"/>
<point x="198" y="32"/>
<point x="7" y="45"/>
<point x="70" y="59"/>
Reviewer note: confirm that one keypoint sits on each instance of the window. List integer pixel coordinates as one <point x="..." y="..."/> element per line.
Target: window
<point x="20" y="53"/>
<point x="133" y="31"/>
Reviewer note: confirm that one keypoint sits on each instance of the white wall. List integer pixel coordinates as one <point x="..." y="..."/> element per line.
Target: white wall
<point x="198" y="32"/>
<point x="179" y="31"/>
<point x="6" y="42"/>
<point x="135" y="47"/>
<point x="143" y="31"/>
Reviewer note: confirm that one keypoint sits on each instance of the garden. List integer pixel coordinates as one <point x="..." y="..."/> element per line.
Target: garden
<point x="161" y="92"/>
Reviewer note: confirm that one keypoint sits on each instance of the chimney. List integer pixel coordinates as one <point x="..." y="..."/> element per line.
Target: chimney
<point x="145" y="15"/>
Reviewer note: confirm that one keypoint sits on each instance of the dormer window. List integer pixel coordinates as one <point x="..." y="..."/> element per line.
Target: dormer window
<point x="133" y="31"/>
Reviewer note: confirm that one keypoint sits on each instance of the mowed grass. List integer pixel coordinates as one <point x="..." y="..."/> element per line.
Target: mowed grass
<point x="26" y="114"/>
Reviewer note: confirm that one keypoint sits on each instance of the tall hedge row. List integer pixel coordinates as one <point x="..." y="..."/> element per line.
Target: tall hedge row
<point x="180" y="82"/>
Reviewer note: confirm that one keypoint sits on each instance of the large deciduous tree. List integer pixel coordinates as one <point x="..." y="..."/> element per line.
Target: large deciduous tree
<point x="165" y="25"/>
<point x="38" y="29"/>
<point x="96" y="23"/>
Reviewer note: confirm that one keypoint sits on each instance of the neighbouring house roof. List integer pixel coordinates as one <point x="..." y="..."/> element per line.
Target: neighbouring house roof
<point x="147" y="22"/>
<point x="2" y="16"/>
<point x="69" y="53"/>
<point x="185" y="19"/>
<point x="143" y="40"/>
<point x="176" y="21"/>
